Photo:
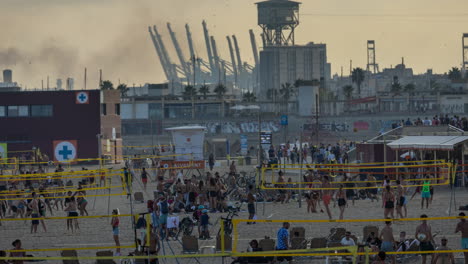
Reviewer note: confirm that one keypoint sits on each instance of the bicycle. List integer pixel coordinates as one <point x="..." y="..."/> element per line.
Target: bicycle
<point x="227" y="221"/>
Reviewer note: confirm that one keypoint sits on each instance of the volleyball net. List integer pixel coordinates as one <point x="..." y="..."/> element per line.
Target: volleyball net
<point x="356" y="176"/>
<point x="56" y="185"/>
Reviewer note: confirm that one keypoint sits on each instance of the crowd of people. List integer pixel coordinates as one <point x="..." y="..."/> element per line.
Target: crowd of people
<point x="437" y="120"/>
<point x="179" y="192"/>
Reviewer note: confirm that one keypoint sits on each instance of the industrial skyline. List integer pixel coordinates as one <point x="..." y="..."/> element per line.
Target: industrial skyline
<point x="66" y="37"/>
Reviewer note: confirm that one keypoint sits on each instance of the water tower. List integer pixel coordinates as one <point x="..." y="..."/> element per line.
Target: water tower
<point x="278" y="19"/>
<point x="7" y="76"/>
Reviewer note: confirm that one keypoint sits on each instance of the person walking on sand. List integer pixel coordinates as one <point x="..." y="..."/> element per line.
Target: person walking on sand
<point x="326" y="195"/>
<point x="426" y="193"/>
<point x="400" y="198"/>
<point x="342" y="201"/>
<point x="144" y="177"/>
<point x="115" y="230"/>
<point x="388" y="201"/>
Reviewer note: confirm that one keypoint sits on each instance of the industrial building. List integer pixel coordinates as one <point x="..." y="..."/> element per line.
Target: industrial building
<point x="286" y="64"/>
<point x="63" y="125"/>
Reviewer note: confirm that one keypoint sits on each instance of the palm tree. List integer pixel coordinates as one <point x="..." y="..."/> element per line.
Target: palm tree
<point x="409" y="88"/>
<point x="123" y="89"/>
<point x="348" y="91"/>
<point x="357" y="77"/>
<point x="286" y="91"/>
<point x="204" y="89"/>
<point x="189" y="92"/>
<point x="396" y="88"/>
<point x="434" y="85"/>
<point x="454" y="74"/>
<point x="220" y="90"/>
<point x="271" y="94"/>
<point x="107" y="85"/>
<point x="249" y="97"/>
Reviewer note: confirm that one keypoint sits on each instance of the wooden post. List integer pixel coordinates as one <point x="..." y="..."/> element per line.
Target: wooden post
<point x="463" y="165"/>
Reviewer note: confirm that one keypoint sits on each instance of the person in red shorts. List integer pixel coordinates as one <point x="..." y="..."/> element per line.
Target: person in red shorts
<point x="326" y="195"/>
<point x="144" y="177"/>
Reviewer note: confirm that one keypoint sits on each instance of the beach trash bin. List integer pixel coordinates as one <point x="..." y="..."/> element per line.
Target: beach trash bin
<point x="248" y="160"/>
<point x="240" y="161"/>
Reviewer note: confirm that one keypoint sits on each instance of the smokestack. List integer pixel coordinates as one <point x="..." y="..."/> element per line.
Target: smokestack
<point x="85" y="78"/>
<point x="100" y="78"/>
<point x="70" y="83"/>
<point x="7" y="76"/>
<point x="59" y="84"/>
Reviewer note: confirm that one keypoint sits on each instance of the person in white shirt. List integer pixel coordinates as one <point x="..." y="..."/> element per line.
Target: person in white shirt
<point x="347" y="240"/>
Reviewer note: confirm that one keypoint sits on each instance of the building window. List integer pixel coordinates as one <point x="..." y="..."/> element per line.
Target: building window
<point x="41" y="110"/>
<point x="104" y="109"/>
<point x="2" y="111"/>
<point x="12" y="111"/>
<point x="23" y="110"/>
<point x="117" y="109"/>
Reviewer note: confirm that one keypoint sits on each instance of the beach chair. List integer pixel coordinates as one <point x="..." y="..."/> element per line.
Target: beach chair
<point x="267" y="244"/>
<point x="369" y="229"/>
<point x="336" y="234"/>
<point x="227" y="243"/>
<point x="69" y="253"/>
<point x="318" y="242"/>
<point x="298" y="240"/>
<point x="190" y="244"/>
<point x="106" y="253"/>
<point x="138" y="196"/>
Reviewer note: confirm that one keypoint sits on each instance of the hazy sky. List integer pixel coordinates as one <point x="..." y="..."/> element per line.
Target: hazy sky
<point x="60" y="38"/>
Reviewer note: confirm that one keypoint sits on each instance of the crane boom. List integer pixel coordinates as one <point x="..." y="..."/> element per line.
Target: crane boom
<point x="216" y="57"/>
<point x="239" y="61"/>
<point x="183" y="63"/>
<point x="167" y="58"/>
<point x="233" y="58"/>
<point x="254" y="46"/>
<point x="208" y="47"/>
<point x="161" y="57"/>
<point x="190" y="42"/>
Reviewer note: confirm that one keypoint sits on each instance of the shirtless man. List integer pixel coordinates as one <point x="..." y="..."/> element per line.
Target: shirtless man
<point x="462" y="227"/>
<point x="153" y="247"/>
<point x="34" y="206"/>
<point x="400" y="198"/>
<point x="281" y="185"/>
<point x="326" y="195"/>
<point x="388" y="241"/>
<point x="424" y="235"/>
<point x="443" y="258"/>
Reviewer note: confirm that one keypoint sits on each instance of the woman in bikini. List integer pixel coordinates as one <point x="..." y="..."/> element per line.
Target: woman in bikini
<point x="82" y="203"/>
<point x="388" y="201"/>
<point x="71" y="208"/>
<point x="115" y="230"/>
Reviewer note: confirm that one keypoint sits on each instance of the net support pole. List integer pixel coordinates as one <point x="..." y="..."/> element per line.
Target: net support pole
<point x="222" y="236"/>
<point x="301" y="156"/>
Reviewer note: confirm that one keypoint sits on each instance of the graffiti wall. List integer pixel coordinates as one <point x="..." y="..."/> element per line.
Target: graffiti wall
<point x="241" y="127"/>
